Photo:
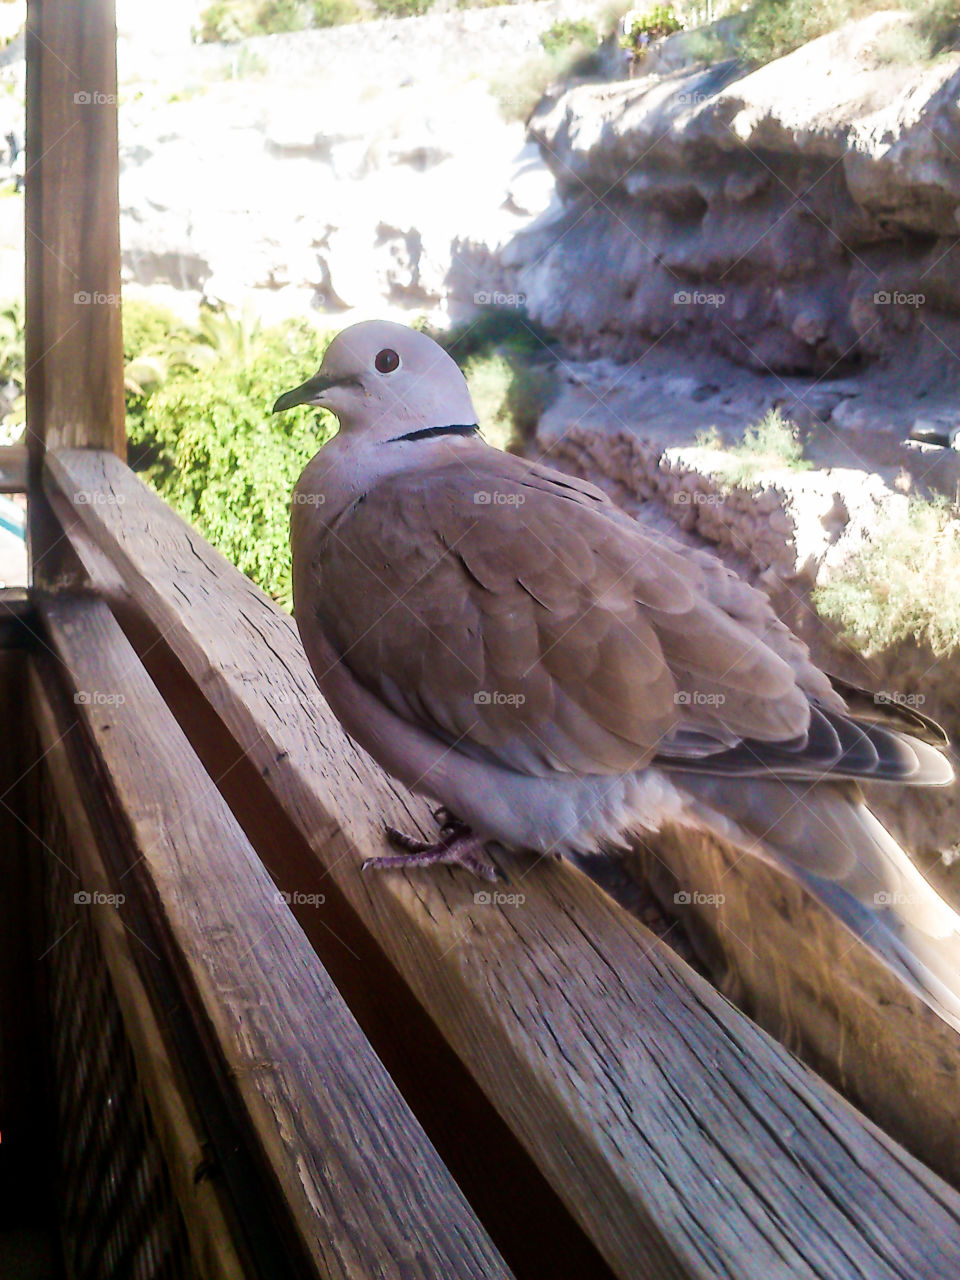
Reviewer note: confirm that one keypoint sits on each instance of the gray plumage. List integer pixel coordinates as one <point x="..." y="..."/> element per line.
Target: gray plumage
<point x="501" y="637"/>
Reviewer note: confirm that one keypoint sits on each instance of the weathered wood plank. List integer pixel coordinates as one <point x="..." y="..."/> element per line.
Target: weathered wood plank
<point x="183" y="1141"/>
<point x="683" y="1139"/>
<point x="13" y="468"/>
<point x="784" y="959"/>
<point x="74" y="345"/>
<point x="364" y="1190"/>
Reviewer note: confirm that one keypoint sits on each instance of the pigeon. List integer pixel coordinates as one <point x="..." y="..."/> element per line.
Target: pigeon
<point x="501" y="637"/>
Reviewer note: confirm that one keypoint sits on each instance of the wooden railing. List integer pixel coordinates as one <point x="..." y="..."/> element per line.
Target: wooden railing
<point x="422" y="1082"/>
<point x="267" y="1063"/>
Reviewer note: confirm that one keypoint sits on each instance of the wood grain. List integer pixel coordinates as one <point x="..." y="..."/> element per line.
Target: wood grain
<point x="74" y="345"/>
<point x="13" y="468"/>
<point x="682" y="1138"/>
<point x="362" y="1187"/>
<point x="788" y="962"/>
<point x="179" y="1129"/>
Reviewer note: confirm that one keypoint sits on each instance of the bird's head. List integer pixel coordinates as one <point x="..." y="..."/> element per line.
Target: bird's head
<point x="384" y="379"/>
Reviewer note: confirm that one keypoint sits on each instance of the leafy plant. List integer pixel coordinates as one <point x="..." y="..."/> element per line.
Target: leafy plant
<point x="402" y="8"/>
<point x="773" y="441"/>
<point x="893" y="590"/>
<point x="568" y="32"/>
<point x="777" y="27"/>
<point x="203" y="436"/>
<point x="653" y="25"/>
<point x="227" y="21"/>
<point x="335" y="13"/>
<point x="12" y="369"/>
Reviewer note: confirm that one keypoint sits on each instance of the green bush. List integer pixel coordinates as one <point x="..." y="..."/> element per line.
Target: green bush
<point x="777" y="27"/>
<point x="13" y="364"/>
<point x="566" y="33"/>
<point x="894" y="589"/>
<point x="226" y="21"/>
<point x="401" y="8"/>
<point x="335" y="13"/>
<point x="205" y="439"/>
<point x="653" y="25"/>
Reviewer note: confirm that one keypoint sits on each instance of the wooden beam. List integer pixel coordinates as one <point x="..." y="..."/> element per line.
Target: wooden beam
<point x="74" y="345"/>
<point x="179" y="1129"/>
<point x="681" y="1138"/>
<point x="348" y="1173"/>
<point x="13" y="468"/>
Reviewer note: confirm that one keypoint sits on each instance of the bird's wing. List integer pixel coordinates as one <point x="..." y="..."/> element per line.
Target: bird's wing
<point x="505" y="609"/>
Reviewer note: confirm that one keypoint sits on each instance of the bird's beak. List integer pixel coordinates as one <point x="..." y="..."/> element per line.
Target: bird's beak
<point x="307" y="393"/>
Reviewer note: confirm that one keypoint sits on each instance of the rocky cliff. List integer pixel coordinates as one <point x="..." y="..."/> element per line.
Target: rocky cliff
<point x="801" y="218"/>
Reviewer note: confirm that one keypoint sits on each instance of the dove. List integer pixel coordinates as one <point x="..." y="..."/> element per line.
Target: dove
<point x="502" y="638"/>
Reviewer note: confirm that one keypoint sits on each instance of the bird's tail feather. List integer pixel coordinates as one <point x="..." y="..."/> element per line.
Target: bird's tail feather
<point x="826" y="838"/>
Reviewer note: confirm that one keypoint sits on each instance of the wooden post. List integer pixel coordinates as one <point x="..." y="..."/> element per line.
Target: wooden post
<point x="74" y="345"/>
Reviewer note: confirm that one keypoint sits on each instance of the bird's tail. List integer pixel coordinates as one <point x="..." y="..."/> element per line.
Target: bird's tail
<point x="825" y="836"/>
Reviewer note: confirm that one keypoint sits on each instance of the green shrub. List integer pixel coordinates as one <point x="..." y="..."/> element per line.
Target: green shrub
<point x="653" y="25"/>
<point x="401" y="8"/>
<point x="226" y="21"/>
<point x="777" y="27"/>
<point x="205" y="439"/>
<point x="775" y="438"/>
<point x="566" y="32"/>
<point x="335" y="13"/>
<point x="13" y="365"/>
<point x="896" y="588"/>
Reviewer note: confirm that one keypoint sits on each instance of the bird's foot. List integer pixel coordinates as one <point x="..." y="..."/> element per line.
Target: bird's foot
<point x="457" y="846"/>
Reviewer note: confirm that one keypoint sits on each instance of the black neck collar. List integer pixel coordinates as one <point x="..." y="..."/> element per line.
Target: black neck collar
<point x="425" y="433"/>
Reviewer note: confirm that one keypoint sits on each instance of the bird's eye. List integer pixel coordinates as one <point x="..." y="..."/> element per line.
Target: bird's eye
<point x="386" y="361"/>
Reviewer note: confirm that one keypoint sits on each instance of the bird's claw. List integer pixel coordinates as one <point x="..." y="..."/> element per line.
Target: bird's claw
<point x="456" y="847"/>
